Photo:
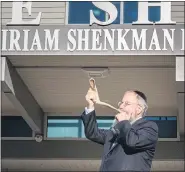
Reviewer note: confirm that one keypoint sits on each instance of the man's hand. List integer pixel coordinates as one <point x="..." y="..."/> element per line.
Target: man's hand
<point x="90" y="98"/>
<point x="122" y="116"/>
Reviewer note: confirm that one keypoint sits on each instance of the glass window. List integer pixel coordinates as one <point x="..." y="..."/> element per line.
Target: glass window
<point x="154" y="13"/>
<point x="14" y="126"/>
<point x="104" y="123"/>
<point x="167" y="126"/>
<point x="71" y="127"/>
<point x="79" y="12"/>
<point x="130" y="11"/>
<point x="60" y="127"/>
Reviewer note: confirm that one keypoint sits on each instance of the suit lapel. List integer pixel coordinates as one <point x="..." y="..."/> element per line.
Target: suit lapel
<point x="111" y="143"/>
<point x="113" y="146"/>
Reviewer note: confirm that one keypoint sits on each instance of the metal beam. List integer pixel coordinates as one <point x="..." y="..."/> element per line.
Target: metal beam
<point x="20" y="96"/>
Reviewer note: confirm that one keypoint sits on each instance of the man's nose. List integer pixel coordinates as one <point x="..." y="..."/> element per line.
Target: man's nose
<point x="121" y="107"/>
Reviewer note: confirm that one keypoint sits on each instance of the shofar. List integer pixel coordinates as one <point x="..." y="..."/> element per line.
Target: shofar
<point x="97" y="98"/>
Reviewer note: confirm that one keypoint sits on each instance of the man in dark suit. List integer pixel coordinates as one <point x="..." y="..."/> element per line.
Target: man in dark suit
<point x="129" y="145"/>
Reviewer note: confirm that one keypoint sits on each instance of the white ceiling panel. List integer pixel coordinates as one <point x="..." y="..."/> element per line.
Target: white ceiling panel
<point x="103" y="60"/>
<point x="63" y="90"/>
<point x="59" y="85"/>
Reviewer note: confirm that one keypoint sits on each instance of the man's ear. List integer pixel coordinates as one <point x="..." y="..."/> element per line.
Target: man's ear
<point x="139" y="109"/>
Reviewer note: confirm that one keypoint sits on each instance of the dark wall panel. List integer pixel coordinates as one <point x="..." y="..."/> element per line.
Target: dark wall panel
<point x="77" y="149"/>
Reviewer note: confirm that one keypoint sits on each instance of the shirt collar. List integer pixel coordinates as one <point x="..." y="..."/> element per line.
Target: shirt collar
<point x="132" y="122"/>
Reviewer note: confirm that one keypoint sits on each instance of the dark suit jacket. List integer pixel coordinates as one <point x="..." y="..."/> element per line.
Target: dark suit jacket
<point x="134" y="148"/>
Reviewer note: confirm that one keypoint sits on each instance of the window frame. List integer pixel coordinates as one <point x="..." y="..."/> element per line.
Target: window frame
<point x="72" y="116"/>
<point x="18" y="138"/>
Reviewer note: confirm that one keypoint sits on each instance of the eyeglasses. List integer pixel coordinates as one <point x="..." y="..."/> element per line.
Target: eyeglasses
<point x="126" y="104"/>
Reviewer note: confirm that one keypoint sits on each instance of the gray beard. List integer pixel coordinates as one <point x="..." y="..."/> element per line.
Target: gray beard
<point x="115" y="122"/>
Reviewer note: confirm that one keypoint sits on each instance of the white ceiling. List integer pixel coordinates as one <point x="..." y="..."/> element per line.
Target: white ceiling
<point x="63" y="90"/>
<point x="59" y="85"/>
<point x="77" y="165"/>
<point x="103" y="60"/>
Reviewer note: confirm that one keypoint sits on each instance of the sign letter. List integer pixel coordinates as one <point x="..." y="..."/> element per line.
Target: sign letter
<point x="17" y="14"/>
<point x="165" y="17"/>
<point x="105" y="6"/>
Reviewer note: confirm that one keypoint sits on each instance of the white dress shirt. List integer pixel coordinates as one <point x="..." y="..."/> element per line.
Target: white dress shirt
<point x="88" y="110"/>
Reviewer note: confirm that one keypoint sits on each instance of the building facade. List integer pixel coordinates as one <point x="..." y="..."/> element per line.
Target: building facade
<point x="43" y="88"/>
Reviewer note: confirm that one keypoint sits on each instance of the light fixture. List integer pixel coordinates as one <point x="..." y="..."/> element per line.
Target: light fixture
<point x="38" y="138"/>
<point x="96" y="72"/>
